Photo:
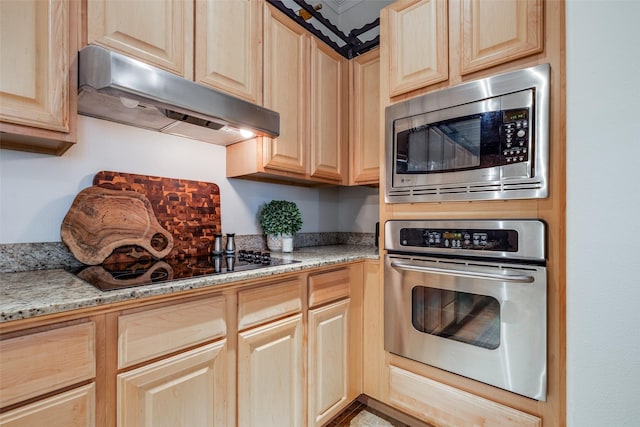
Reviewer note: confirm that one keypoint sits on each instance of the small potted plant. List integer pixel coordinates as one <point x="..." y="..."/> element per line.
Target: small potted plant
<point x="280" y="220"/>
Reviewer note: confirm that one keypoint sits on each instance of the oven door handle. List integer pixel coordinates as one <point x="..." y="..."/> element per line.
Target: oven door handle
<point x="516" y="278"/>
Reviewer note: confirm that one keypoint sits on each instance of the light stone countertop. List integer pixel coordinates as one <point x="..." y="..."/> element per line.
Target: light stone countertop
<point x="35" y="293"/>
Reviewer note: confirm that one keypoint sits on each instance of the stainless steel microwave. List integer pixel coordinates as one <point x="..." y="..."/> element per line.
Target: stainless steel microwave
<point x="482" y="140"/>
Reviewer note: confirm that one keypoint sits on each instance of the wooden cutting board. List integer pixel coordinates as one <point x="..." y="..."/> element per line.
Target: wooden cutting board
<point x="188" y="210"/>
<point x="101" y="220"/>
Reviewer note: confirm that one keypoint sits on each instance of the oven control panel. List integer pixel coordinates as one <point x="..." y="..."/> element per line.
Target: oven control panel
<point x="468" y="239"/>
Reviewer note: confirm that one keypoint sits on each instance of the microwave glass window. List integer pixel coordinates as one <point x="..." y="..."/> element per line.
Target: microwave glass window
<point x="440" y="147"/>
<point x="468" y="318"/>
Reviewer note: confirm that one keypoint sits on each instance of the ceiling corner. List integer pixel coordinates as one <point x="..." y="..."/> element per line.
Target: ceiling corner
<point x="340" y="6"/>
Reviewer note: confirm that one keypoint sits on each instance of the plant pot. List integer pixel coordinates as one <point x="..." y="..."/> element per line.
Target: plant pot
<point x="280" y="242"/>
<point x="287" y="243"/>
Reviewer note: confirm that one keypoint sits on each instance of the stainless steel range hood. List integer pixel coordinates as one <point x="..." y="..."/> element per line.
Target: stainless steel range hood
<point x="115" y="87"/>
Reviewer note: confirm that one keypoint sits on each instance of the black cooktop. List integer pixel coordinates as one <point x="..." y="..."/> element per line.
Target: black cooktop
<point x="108" y="277"/>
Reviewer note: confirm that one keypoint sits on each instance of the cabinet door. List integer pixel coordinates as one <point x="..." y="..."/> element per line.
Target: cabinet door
<point x="185" y="390"/>
<point x="329" y="93"/>
<point x="73" y="408"/>
<point x="373" y="371"/>
<point x="286" y="90"/>
<point x="158" y="32"/>
<point x="270" y="375"/>
<point x="498" y="31"/>
<point x="328" y="361"/>
<point x="229" y="46"/>
<point x="418" y="44"/>
<point x="365" y="121"/>
<point x="37" y="108"/>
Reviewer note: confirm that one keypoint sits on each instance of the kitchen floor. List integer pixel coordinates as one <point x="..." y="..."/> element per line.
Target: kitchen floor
<point x="361" y="414"/>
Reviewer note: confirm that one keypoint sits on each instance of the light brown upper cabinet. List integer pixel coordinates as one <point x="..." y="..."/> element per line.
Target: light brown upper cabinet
<point x="305" y="81"/>
<point x="329" y="114"/>
<point x="37" y="85"/>
<point x="499" y="31"/>
<point x="224" y="54"/>
<point x="157" y="32"/>
<point x="286" y="85"/>
<point x="229" y="47"/>
<point x="432" y="41"/>
<point x="418" y="44"/>
<point x="364" y="119"/>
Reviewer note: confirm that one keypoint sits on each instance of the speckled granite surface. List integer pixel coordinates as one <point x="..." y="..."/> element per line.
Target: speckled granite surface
<point x="35" y="256"/>
<point x="50" y="255"/>
<point x="33" y="293"/>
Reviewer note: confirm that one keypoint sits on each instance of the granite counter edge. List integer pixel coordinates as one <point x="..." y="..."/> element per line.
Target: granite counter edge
<point x="29" y="294"/>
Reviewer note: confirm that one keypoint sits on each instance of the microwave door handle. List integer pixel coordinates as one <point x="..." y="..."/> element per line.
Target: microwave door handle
<point x="516" y="278"/>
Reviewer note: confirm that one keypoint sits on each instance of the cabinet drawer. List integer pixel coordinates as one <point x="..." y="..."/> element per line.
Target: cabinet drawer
<point x="156" y="332"/>
<point x="72" y="408"/>
<point x="441" y="404"/>
<point x="269" y="302"/>
<point x="39" y="363"/>
<point x="327" y="287"/>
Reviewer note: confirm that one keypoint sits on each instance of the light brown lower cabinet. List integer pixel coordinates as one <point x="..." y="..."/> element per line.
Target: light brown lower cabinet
<point x="290" y="351"/>
<point x="328" y="361"/>
<point x="150" y="333"/>
<point x="271" y="374"/>
<point x="277" y="352"/>
<point x="188" y="389"/>
<point x="47" y="377"/>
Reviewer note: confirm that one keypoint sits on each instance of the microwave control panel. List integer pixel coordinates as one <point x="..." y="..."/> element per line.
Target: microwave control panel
<point x="514" y="135"/>
<point x="469" y="239"/>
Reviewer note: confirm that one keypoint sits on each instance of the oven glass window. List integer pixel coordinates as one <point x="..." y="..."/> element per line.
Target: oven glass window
<point x="440" y="147"/>
<point x="468" y="318"/>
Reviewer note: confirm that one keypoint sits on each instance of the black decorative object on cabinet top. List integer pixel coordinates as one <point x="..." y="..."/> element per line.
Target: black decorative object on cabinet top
<point x="353" y="45"/>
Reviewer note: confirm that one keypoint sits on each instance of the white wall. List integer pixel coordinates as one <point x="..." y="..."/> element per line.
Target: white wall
<point x="603" y="220"/>
<point x="36" y="191"/>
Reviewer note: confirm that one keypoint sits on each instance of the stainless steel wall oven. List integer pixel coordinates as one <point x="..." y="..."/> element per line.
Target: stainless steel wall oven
<point x="482" y="140"/>
<point x="470" y="297"/>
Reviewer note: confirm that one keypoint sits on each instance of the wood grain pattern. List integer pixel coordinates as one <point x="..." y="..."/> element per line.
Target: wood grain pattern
<point x="188" y="210"/>
<point x="159" y="33"/>
<point x="441" y="404"/>
<point x="485" y="44"/>
<point x="228" y="47"/>
<point x="271" y="387"/>
<point x="32" y="365"/>
<point x="328" y="364"/>
<point x="34" y="90"/>
<point x="328" y="111"/>
<point x="38" y="115"/>
<point x="286" y="90"/>
<point x="72" y="408"/>
<point x="364" y="115"/>
<point x="101" y="220"/>
<point x="328" y="287"/>
<point x="263" y="304"/>
<point x="156" y="332"/>
<point x="418" y="42"/>
<point x="187" y="389"/>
